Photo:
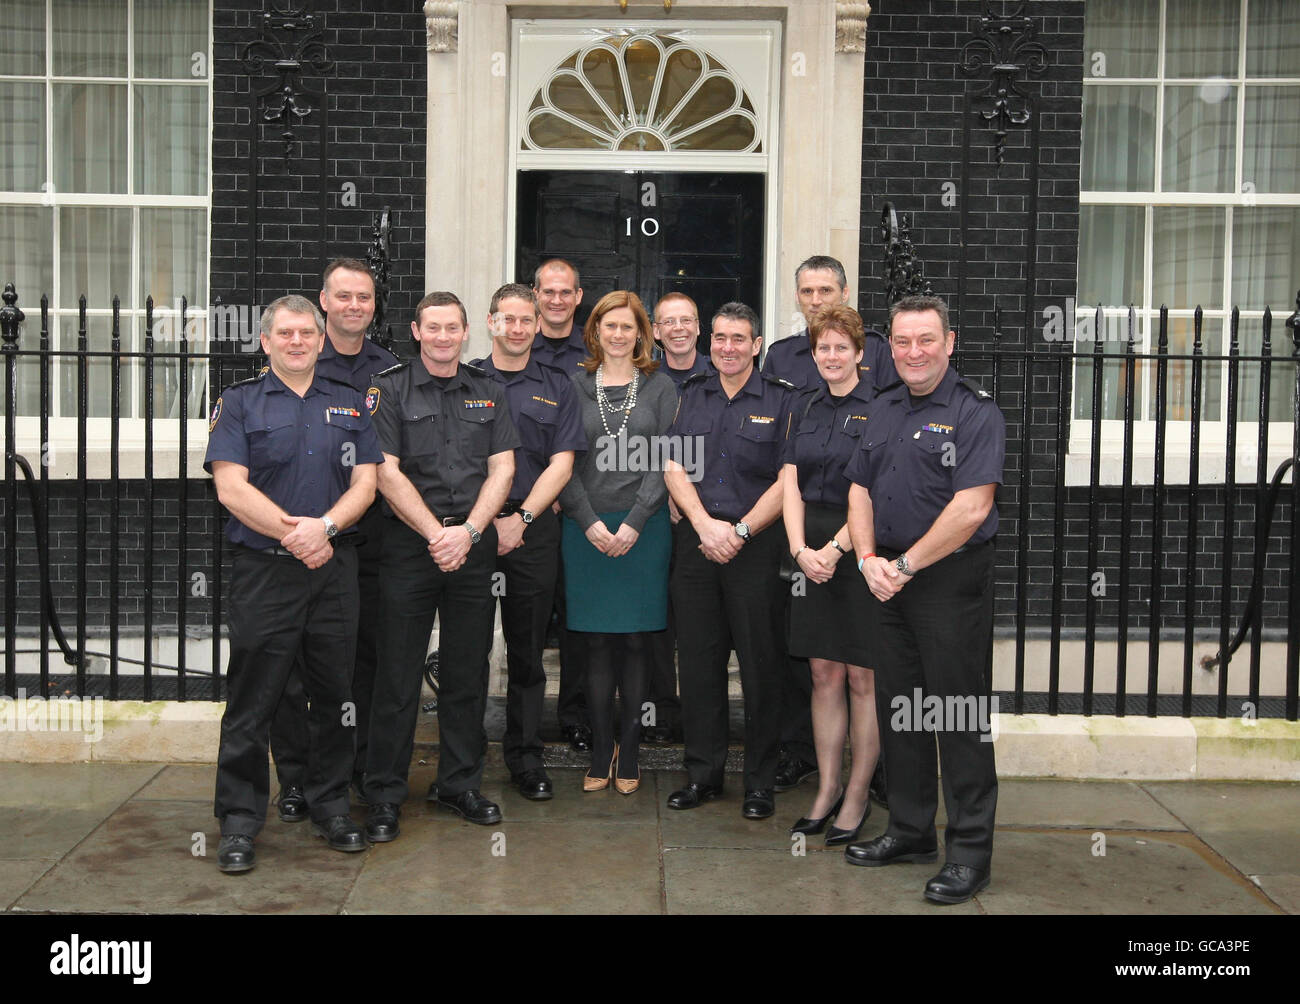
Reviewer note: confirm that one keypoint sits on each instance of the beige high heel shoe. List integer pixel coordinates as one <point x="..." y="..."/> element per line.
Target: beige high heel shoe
<point x="590" y="783"/>
<point x="625" y="786"/>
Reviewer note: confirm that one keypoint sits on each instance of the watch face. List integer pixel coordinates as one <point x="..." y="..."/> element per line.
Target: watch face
<point x="525" y="515"/>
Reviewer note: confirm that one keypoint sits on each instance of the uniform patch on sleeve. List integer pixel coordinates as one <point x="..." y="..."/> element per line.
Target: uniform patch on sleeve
<point x="372" y="400"/>
<point x="216" y="414"/>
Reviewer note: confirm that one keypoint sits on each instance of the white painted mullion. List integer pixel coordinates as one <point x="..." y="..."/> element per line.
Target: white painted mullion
<point x="1158" y="181"/>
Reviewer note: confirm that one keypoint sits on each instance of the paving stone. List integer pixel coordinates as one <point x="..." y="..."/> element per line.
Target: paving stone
<point x="1093" y="804"/>
<point x="185" y="783"/>
<point x="71" y="785"/>
<point x="1251" y="824"/>
<point x="17" y="876"/>
<point x="1284" y="890"/>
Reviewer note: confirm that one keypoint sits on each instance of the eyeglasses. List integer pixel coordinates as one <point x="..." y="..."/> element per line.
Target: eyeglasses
<point x="677" y="322"/>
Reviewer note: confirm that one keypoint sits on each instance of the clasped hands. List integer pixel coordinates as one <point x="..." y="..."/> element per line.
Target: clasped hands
<point x="307" y="540"/>
<point x="819" y="565"/>
<point x="883" y="577"/>
<point x="613" y="545"/>
<point x="449" y="546"/>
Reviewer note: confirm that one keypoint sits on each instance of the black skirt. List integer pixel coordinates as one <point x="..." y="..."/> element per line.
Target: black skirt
<point x="835" y="620"/>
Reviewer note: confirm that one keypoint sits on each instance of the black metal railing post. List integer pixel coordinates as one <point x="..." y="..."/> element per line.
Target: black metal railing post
<point x="83" y="413"/>
<point x="10" y="318"/>
<point x="1293" y="604"/>
<point x="115" y="500"/>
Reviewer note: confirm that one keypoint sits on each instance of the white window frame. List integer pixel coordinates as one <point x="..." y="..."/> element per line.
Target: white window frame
<point x="60" y="453"/>
<point x="1213" y="431"/>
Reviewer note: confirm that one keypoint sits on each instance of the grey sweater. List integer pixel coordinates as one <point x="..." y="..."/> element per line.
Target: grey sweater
<point x="601" y="481"/>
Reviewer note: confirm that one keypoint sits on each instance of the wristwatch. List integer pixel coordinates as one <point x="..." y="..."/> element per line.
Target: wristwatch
<point x="742" y="531"/>
<point x="835" y="543"/>
<point x="902" y="565"/>
<point x="474" y="535"/>
<point x="525" y="515"/>
<point x="331" y="528"/>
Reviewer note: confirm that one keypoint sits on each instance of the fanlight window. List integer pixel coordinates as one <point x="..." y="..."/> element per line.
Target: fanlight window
<point x="641" y="92"/>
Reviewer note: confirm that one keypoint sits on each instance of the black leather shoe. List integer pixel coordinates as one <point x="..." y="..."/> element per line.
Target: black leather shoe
<point x="578" y="737"/>
<point x="694" y="795"/>
<point x="533" y="785"/>
<point x="790" y="771"/>
<point x="292" y="804"/>
<point x="235" y="853"/>
<point x="956" y="883"/>
<point x="877" y="791"/>
<point x="887" y="850"/>
<point x="657" y="735"/>
<point x="469" y="805"/>
<point x="809" y="826"/>
<point x="758" y="804"/>
<point x="381" y="822"/>
<point x="342" y="833"/>
<point x="835" y="836"/>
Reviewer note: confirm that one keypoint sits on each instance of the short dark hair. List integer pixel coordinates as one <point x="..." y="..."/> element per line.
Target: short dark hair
<point x="839" y="317"/>
<point x="556" y="263"/>
<point x="512" y="290"/>
<point x="737" y="311"/>
<point x="347" y="264"/>
<point x="917" y="305"/>
<point x="440" y="298"/>
<point x="822" y="261"/>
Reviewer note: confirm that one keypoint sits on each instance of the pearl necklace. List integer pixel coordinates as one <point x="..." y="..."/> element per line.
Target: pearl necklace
<point x="603" y="403"/>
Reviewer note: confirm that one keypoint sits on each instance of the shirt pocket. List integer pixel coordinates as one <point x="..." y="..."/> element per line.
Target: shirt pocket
<point x="478" y="426"/>
<point x="936" y="458"/>
<point x="758" y="448"/>
<point x="271" y="441"/>
<point x="344" y="430"/>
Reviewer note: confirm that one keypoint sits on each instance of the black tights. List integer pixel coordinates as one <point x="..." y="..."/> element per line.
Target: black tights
<point x="616" y="661"/>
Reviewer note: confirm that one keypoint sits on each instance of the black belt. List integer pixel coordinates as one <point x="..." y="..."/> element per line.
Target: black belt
<point x="453" y="520"/>
<point x="892" y="554"/>
<point x="511" y="507"/>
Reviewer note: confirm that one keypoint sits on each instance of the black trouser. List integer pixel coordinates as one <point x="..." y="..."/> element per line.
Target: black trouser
<point x="796" y="705"/>
<point x="720" y="607"/>
<point x="571" y="704"/>
<point x="281" y="611"/>
<point x="934" y="637"/>
<point x="289" y="724"/>
<point x="529" y="592"/>
<point x="412" y="590"/>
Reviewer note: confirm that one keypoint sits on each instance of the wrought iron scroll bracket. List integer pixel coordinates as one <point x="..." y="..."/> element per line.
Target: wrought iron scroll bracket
<point x="379" y="257"/>
<point x="1006" y="44"/>
<point x="904" y="273"/>
<point x="291" y="42"/>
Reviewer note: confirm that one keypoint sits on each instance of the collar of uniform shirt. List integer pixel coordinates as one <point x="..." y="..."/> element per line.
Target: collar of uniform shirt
<point x="275" y="385"/>
<point x="941" y="395"/>
<point x="754" y="385"/>
<point x="423" y="376"/>
<point x="531" y="371"/>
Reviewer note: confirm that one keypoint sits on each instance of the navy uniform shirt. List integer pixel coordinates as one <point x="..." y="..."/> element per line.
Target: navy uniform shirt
<point x="916" y="455"/>
<point x="679" y="377"/>
<point x="564" y="354"/>
<point x="442" y="435"/>
<point x="822" y="439"/>
<point x="743" y="439"/>
<point x="355" y="370"/>
<point x="547" y="417"/>
<point x="300" y="451"/>
<point x="792" y="359"/>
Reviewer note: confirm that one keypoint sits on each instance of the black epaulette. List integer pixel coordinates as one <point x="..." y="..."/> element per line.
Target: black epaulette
<point x="476" y="370"/>
<point x="975" y="389"/>
<point x="780" y="380"/>
<point x="392" y="369"/>
<point x="253" y="379"/>
<point x="890" y="386"/>
<point x="694" y="378"/>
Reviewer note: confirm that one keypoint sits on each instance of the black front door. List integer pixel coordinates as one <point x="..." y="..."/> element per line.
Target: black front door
<point x="650" y="232"/>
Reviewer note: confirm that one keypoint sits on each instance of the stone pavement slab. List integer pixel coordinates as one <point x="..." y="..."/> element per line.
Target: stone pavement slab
<point x="17" y="875"/>
<point x="1255" y="826"/>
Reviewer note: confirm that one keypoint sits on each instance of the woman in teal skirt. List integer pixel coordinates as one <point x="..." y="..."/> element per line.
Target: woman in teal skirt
<point x="616" y="535"/>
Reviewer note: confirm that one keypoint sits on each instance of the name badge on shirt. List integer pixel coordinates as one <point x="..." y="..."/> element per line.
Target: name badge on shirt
<point x="945" y="430"/>
<point x="480" y="404"/>
<point x="762" y="419"/>
<point x="546" y="400"/>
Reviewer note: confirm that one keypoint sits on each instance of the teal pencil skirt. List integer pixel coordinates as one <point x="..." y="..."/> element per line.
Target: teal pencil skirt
<point x="617" y="595"/>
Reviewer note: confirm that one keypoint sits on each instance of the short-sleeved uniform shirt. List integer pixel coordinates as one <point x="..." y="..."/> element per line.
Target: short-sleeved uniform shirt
<point x="792" y="359"/>
<point x="564" y="354"/>
<point x="300" y="451"/>
<point x="743" y="438"/>
<point x="442" y="433"/>
<point x="823" y="437"/>
<point x="547" y="417"/>
<point x="355" y="370"/>
<point x="917" y="454"/>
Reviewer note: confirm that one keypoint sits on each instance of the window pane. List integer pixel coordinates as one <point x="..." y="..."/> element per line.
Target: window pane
<point x="90" y="137"/>
<point x="1179" y="393"/>
<point x="1265" y="257"/>
<point x="1110" y="255"/>
<point x="22" y="41"/>
<point x="171" y="39"/>
<point x="167" y="371"/>
<point x="99" y="371"/>
<point x="1202" y="39"/>
<point x="22" y="123"/>
<point x="1199" y="138"/>
<point x="1187" y="257"/>
<point x="1281" y="377"/>
<point x="1124" y="34"/>
<point x="171" y="146"/>
<point x="1119" y="139"/>
<point x="89" y="38"/>
<point x="1272" y="141"/>
<point x="173" y="246"/>
<point x="1114" y="336"/>
<point x="1272" y="43"/>
<point x="27" y="256"/>
<point x="94" y="256"/>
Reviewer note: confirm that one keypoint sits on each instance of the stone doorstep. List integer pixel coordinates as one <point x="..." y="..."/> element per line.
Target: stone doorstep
<point x="1101" y="748"/>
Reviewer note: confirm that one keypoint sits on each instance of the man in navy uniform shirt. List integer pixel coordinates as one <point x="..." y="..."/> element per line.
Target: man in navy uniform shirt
<point x="559" y="344"/>
<point x="446" y="433"/>
<point x="549" y="421"/>
<point x="819" y="282"/>
<point x="922" y="517"/>
<point x="347" y="297"/>
<point x="725" y="588"/>
<point x="293" y="457"/>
